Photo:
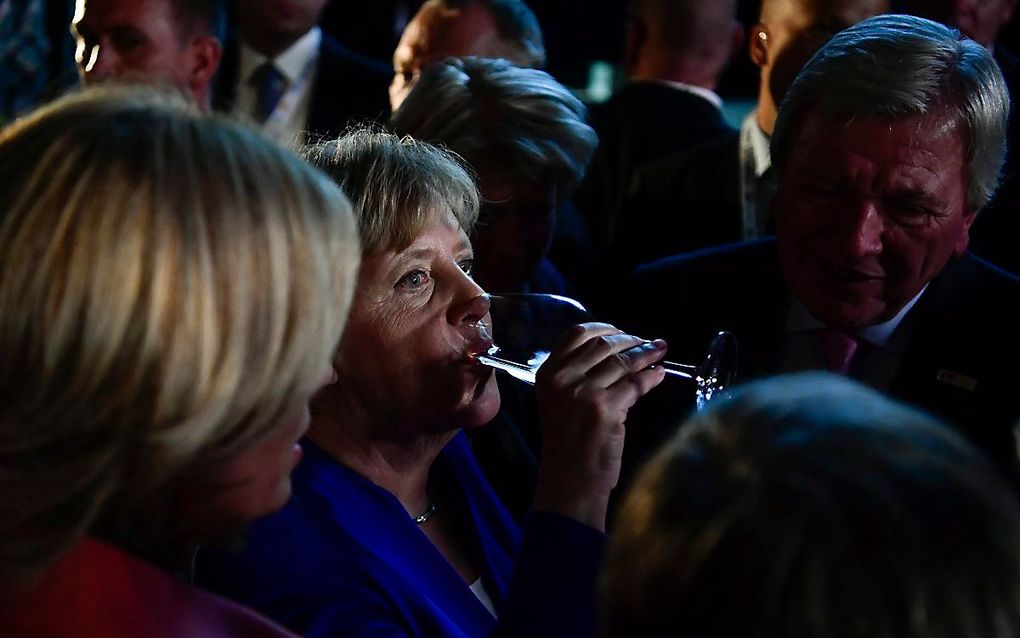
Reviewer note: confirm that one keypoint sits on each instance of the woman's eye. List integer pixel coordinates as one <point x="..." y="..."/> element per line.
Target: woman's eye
<point x="468" y="266"/>
<point x="414" y="280"/>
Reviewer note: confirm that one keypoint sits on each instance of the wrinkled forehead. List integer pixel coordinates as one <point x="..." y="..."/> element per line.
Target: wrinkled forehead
<point x="930" y="141"/>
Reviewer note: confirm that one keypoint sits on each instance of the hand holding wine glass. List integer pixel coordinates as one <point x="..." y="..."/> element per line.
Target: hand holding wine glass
<point x="526" y="327"/>
<point x="585" y="388"/>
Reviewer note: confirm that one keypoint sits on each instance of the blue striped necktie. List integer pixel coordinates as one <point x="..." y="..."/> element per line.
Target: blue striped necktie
<point x="269" y="87"/>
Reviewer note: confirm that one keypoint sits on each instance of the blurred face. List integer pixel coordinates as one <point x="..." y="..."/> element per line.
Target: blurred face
<point x="405" y="358"/>
<point x="868" y="212"/>
<point x="131" y="40"/>
<point x="980" y="20"/>
<point x="436" y="33"/>
<point x="218" y="501"/>
<point x="791" y="31"/>
<point x="282" y="18"/>
<point x="514" y="229"/>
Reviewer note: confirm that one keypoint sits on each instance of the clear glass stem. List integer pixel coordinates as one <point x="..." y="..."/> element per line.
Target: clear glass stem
<point x="526" y="373"/>
<point x="518" y="371"/>
<point x="681" y="370"/>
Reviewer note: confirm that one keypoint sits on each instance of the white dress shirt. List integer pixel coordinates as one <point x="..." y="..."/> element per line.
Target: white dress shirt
<point x="298" y="64"/>
<point x="755" y="159"/>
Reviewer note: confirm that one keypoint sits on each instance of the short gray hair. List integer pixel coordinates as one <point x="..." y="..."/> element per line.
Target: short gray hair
<point x="517" y="25"/>
<point x="488" y="109"/>
<point x="396" y="184"/>
<point x="900" y="66"/>
<point x="809" y="505"/>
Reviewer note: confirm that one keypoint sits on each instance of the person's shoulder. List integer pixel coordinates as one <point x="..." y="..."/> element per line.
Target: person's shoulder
<point x="972" y="287"/>
<point x="724" y="278"/>
<point x="715" y="156"/>
<point x="715" y="262"/>
<point x="332" y="52"/>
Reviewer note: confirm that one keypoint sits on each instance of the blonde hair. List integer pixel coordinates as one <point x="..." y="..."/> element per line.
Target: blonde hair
<point x="396" y="184"/>
<point x="169" y="284"/>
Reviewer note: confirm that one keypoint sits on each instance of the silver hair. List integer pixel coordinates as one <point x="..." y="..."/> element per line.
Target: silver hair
<point x="488" y="110"/>
<point x="900" y="66"/>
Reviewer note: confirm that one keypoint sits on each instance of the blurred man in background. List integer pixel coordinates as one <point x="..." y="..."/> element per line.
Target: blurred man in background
<point x="456" y="28"/>
<point x="292" y="79"/>
<point x="675" y="52"/>
<point x="719" y="192"/>
<point x="169" y="42"/>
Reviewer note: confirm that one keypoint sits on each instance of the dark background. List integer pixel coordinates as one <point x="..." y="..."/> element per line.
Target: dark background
<point x="577" y="32"/>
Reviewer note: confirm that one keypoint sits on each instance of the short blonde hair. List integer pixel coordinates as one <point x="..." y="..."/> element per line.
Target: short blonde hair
<point x="396" y="184"/>
<point x="169" y="284"/>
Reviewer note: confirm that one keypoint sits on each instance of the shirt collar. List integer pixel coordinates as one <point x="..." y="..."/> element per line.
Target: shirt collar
<point x="759" y="142"/>
<point x="882" y="334"/>
<point x="700" y="91"/>
<point x="291" y="63"/>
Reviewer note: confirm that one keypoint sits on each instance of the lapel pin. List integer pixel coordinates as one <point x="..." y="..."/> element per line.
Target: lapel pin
<point x="956" y="379"/>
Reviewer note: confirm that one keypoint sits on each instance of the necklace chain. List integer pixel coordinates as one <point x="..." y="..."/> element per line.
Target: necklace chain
<point x="429" y="512"/>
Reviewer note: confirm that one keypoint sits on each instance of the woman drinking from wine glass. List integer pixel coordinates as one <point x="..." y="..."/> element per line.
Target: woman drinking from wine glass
<point x="171" y="291"/>
<point x="393" y="531"/>
<point x="525" y="136"/>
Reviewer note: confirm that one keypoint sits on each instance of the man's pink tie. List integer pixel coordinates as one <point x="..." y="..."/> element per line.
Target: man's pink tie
<point x="838" y="348"/>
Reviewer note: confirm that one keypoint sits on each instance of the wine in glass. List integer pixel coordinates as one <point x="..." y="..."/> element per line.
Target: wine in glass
<point x="527" y="326"/>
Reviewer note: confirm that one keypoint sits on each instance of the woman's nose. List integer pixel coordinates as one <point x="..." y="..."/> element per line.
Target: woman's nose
<point x="470" y="306"/>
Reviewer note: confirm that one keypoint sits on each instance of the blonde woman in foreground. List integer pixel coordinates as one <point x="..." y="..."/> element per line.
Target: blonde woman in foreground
<point x="172" y="288"/>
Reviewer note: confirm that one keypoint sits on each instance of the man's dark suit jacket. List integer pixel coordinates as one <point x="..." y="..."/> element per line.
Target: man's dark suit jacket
<point x="665" y="210"/>
<point x="349" y="88"/>
<point x="966" y="323"/>
<point x="642" y="122"/>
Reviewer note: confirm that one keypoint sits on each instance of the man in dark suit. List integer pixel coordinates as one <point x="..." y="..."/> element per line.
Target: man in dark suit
<point x="292" y="79"/>
<point x="675" y="51"/>
<point x="730" y="176"/>
<point x="887" y="146"/>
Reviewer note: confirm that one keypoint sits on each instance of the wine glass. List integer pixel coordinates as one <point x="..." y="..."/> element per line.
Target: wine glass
<point x="527" y="326"/>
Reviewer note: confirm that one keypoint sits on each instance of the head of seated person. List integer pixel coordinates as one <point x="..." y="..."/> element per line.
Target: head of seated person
<point x="811" y="506"/>
<point x="457" y="28"/>
<point x="526" y="138"/>
<point x="887" y="145"/>
<point x="173" y="288"/>
<point x="174" y="43"/>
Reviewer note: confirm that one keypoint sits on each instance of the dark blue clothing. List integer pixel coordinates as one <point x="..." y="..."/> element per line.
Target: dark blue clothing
<point x="343" y="558"/>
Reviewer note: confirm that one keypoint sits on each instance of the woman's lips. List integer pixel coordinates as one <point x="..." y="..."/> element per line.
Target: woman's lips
<point x="479" y="340"/>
